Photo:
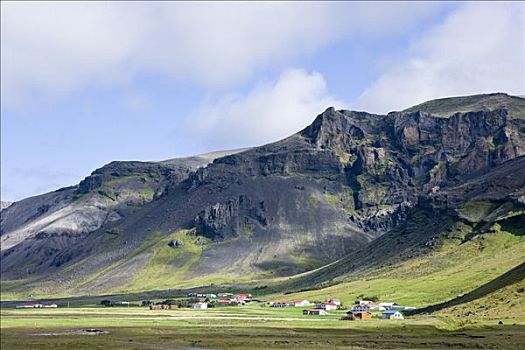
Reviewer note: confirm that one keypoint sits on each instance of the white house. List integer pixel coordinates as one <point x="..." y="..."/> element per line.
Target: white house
<point x="211" y="296"/>
<point x="393" y="315"/>
<point x="387" y="305"/>
<point x="299" y="303"/>
<point x="334" y="301"/>
<point x="200" y="305"/>
<point x="326" y="306"/>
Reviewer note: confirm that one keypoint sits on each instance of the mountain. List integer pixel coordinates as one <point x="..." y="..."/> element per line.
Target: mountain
<point x="4" y="204"/>
<point x="350" y="192"/>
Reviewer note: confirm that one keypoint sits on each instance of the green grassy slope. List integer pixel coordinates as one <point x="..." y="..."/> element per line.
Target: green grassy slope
<point x="505" y="303"/>
<point x="500" y="289"/>
<point x="457" y="267"/>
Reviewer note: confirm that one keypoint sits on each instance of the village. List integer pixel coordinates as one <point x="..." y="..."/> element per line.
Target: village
<point x="361" y="309"/>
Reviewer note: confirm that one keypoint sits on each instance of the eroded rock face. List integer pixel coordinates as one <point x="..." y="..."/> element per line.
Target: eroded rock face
<point x="384" y="162"/>
<point x="231" y="218"/>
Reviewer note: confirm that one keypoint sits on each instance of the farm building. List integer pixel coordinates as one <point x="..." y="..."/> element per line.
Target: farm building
<point x="281" y="304"/>
<point x="361" y="308"/>
<point x="334" y="301"/>
<point x="359" y="315"/>
<point x="393" y="315"/>
<point x="326" y="306"/>
<point x="315" y="312"/>
<point x="163" y="307"/>
<point x="387" y="305"/>
<point x="196" y="295"/>
<point x="225" y="295"/>
<point x="200" y="305"/>
<point x="299" y="303"/>
<point x="30" y="306"/>
<point x="374" y="306"/>
<point x="242" y="298"/>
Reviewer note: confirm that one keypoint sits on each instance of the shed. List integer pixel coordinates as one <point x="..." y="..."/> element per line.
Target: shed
<point x="315" y="312"/>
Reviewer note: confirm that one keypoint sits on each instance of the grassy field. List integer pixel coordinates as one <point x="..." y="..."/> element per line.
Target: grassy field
<point x="249" y="327"/>
<point x="493" y="321"/>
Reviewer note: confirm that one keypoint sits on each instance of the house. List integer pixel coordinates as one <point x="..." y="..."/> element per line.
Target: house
<point x="50" y="305"/>
<point x="29" y="306"/>
<point x="401" y="308"/>
<point x="299" y="303"/>
<point x="200" y="305"/>
<point x="225" y="295"/>
<point x="210" y="296"/>
<point x="351" y="315"/>
<point x="315" y="312"/>
<point x="196" y="295"/>
<point x="121" y="303"/>
<point x="392" y="315"/>
<point x="373" y="306"/>
<point x="361" y="308"/>
<point x="163" y="307"/>
<point x="242" y="298"/>
<point x="334" y="301"/>
<point x="387" y="305"/>
<point x="363" y="302"/>
<point x="326" y="306"/>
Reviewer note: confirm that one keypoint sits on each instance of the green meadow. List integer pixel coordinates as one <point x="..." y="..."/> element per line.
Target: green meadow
<point x="458" y="266"/>
<point x="254" y="326"/>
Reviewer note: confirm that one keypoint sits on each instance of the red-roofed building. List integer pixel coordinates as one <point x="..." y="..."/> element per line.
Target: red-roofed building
<point x="243" y="298"/>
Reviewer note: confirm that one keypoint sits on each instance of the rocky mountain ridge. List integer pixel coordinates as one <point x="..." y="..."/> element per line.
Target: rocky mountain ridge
<point x="279" y="209"/>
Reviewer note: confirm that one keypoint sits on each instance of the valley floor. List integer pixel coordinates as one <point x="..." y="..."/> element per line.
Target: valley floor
<point x="253" y="326"/>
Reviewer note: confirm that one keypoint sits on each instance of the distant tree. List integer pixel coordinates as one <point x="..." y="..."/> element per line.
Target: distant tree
<point x="106" y="303"/>
<point x="373" y="298"/>
<point x="146" y="302"/>
<point x="187" y="302"/>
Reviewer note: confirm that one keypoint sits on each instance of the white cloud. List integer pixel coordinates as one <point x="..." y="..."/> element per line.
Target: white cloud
<point x="271" y="111"/>
<point x="55" y="48"/>
<point x="478" y="48"/>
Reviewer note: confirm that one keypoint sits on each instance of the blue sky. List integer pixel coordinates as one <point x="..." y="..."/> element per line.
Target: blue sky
<point x="87" y="83"/>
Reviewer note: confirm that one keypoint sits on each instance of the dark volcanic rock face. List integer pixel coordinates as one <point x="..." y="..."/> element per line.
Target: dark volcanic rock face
<point x="292" y="205"/>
